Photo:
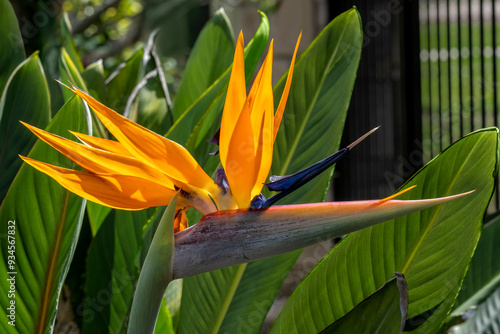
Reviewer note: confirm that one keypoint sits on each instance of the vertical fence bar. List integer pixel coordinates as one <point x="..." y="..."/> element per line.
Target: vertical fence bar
<point x="448" y="47"/>
<point x="429" y="48"/>
<point x="460" y="92"/>
<point x="471" y="71"/>
<point x="440" y="103"/>
<point x="483" y="83"/>
<point x="440" y="97"/>
<point x="494" y="46"/>
<point x="494" y="84"/>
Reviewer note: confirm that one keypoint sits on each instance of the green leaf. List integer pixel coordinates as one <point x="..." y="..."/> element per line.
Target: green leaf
<point x="69" y="74"/>
<point x="156" y="274"/>
<point x="432" y="248"/>
<point x="486" y="318"/>
<point x="148" y="235"/>
<point x="27" y="80"/>
<point x="69" y="44"/>
<point x="97" y="213"/>
<point x="11" y="43"/>
<point x="382" y="312"/>
<point x="240" y="297"/>
<point x="173" y="300"/>
<point x="164" y="324"/>
<point x="47" y="224"/>
<point x="152" y="111"/>
<point x="93" y="76"/>
<point x="483" y="276"/>
<point x="121" y="82"/>
<point x="212" y="54"/>
<point x="112" y="271"/>
<point x="211" y="100"/>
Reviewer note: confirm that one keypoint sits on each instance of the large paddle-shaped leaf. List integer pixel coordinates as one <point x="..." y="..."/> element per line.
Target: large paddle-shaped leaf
<point x="382" y="312"/>
<point x="432" y="248"/>
<point x="238" y="298"/>
<point x="25" y="98"/>
<point x="47" y="224"/>
<point x="483" y="276"/>
<point x="11" y="43"/>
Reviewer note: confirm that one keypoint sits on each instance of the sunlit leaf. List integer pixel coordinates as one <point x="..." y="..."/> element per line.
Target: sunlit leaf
<point x="27" y="80"/>
<point x="47" y="224"/>
<point x="432" y="248"/>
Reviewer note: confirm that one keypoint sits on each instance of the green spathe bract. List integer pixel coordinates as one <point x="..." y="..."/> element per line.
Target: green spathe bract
<point x="155" y="275"/>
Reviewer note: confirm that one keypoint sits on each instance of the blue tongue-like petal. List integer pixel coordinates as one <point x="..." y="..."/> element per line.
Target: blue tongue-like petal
<point x="289" y="183"/>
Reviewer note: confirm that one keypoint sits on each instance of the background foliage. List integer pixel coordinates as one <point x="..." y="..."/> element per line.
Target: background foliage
<point x="97" y="253"/>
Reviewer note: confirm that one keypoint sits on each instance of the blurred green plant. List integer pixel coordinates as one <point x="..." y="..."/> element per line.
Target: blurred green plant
<point x="103" y="254"/>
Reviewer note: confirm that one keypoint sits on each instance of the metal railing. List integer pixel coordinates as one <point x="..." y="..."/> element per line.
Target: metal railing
<point x="459" y="70"/>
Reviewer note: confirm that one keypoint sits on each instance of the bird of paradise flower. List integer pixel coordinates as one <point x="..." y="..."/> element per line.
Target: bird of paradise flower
<point x="143" y="169"/>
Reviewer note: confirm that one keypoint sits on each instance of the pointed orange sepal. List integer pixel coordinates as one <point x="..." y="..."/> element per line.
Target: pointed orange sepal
<point x="284" y="96"/>
<point x="395" y="195"/>
<point x="101" y="143"/>
<point x="145" y="145"/>
<point x="99" y="161"/>
<point x="116" y="191"/>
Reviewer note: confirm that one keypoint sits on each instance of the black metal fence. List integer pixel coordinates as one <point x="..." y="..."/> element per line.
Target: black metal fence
<point x="386" y="93"/>
<point x="459" y="55"/>
<point x="428" y="75"/>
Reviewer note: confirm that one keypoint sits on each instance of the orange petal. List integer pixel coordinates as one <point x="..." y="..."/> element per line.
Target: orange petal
<point x="116" y="191"/>
<point x="166" y="155"/>
<point x="250" y="147"/>
<point x="262" y="114"/>
<point x="281" y="107"/>
<point x="240" y="162"/>
<point x="180" y="222"/>
<point x="103" y="144"/>
<point x="99" y="161"/>
<point x="264" y="156"/>
<point x="260" y="97"/>
<point x="235" y="99"/>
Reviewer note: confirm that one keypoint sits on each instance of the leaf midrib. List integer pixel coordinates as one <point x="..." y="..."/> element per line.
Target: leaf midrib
<point x="420" y="242"/>
<point x="229" y="297"/>
<point x="49" y="283"/>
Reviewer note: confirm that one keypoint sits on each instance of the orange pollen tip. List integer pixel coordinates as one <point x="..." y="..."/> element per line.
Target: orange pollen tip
<point x="396" y="195"/>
